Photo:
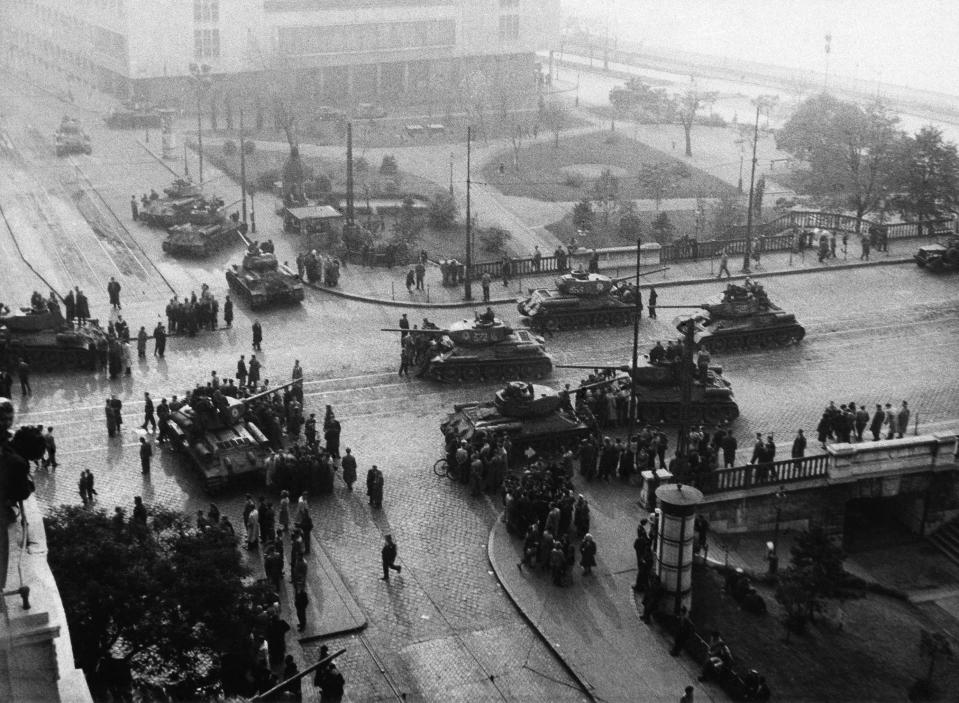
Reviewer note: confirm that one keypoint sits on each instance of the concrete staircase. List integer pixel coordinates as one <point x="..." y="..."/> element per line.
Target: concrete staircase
<point x="946" y="540"/>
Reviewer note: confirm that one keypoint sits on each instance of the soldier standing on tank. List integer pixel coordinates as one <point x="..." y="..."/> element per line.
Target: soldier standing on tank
<point x="257" y="335"/>
<point x="70" y="304"/>
<point x="83" y="306"/>
<point x="254" y="371"/>
<point x="241" y="373"/>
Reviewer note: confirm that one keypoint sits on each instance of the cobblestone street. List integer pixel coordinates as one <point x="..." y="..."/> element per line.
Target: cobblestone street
<point x="444" y="629"/>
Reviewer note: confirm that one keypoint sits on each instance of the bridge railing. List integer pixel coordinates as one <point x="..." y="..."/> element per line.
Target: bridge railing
<point x="768" y="474"/>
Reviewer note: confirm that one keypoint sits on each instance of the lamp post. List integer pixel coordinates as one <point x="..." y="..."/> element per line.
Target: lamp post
<point x="201" y="75"/>
<point x="780" y="497"/>
<point x="632" y="375"/>
<point x="467" y="283"/>
<point x="451" y="174"/>
<point x="752" y="179"/>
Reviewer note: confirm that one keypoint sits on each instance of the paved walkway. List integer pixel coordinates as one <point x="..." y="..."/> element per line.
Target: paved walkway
<point x="594" y="624"/>
<point x="387" y="286"/>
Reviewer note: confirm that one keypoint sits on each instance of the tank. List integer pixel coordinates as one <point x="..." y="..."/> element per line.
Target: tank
<point x="48" y="342"/>
<point x="581" y="300"/>
<point x="531" y="415"/>
<point x="182" y="205"/>
<point x="482" y="349"/>
<point x="261" y="280"/>
<point x="133" y="115"/>
<point x="71" y="139"/>
<point x="200" y="240"/>
<point x="744" y="318"/>
<point x="659" y="393"/>
<point x="224" y="443"/>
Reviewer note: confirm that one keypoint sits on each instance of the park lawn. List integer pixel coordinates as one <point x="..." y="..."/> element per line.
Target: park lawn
<point x="566" y="173"/>
<point x="874" y="658"/>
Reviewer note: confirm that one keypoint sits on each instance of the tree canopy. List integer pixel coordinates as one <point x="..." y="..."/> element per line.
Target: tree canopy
<point x="926" y="182"/>
<point x="850" y="150"/>
<point x="166" y="597"/>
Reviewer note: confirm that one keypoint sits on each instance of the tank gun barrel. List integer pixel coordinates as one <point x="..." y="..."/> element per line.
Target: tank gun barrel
<point x="642" y="273"/>
<point x="417" y="331"/>
<point x="594" y="367"/>
<point x="263" y="394"/>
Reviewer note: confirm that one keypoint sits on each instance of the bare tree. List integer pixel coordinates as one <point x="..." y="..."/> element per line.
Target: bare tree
<point x="554" y="117"/>
<point x="661" y="178"/>
<point x="687" y="105"/>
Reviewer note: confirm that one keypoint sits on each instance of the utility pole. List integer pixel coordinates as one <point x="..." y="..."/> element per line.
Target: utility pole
<point x="242" y="168"/>
<point x="349" y="175"/>
<point x="451" y="174"/>
<point x="752" y="179"/>
<point x="199" y="130"/>
<point x="467" y="287"/>
<point x="633" y="410"/>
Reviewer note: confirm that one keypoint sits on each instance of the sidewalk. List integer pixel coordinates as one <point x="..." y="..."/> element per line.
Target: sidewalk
<point x="594" y="624"/>
<point x="387" y="286"/>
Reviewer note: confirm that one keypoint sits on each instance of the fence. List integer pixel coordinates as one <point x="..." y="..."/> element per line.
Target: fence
<point x="772" y="474"/>
<point x="769" y="236"/>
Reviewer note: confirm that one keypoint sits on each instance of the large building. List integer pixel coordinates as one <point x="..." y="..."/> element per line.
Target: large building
<point x="337" y="52"/>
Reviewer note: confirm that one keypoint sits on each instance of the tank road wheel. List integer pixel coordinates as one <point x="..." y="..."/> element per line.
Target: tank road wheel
<point x="539" y="372"/>
<point x="764" y="340"/>
<point x="730" y="413"/>
<point x="440" y="375"/>
<point x="511" y="372"/>
<point x="717" y="346"/>
<point x="470" y="374"/>
<point x="746" y="342"/>
<point x="550" y="325"/>
<point x="526" y="372"/>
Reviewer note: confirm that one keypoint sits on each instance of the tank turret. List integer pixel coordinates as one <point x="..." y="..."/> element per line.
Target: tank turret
<point x="582" y="300"/>
<point x="743" y="317"/>
<point x="483" y="348"/>
<point x="261" y="279"/>
<point x="183" y="188"/>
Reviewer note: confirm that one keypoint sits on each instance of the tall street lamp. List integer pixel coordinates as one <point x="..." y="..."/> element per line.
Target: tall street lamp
<point x="451" y="174"/>
<point x="202" y="78"/>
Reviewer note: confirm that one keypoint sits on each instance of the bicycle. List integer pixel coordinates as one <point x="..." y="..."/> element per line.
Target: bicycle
<point x="443" y="468"/>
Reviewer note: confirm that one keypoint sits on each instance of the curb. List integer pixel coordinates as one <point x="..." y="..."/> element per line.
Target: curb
<point x="332" y="576"/>
<point x="585" y="688"/>
<point x="662" y="284"/>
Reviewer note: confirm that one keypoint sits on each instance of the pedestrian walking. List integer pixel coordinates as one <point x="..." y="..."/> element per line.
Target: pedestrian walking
<point x="506" y="269"/>
<point x="134" y="210"/>
<point x="257" y="335"/>
<point x="148" y="417"/>
<point x="724" y="264"/>
<point x="902" y="419"/>
<point x="113" y="292"/>
<point x="300" y="601"/>
<point x="23" y="373"/>
<point x="146" y="453"/>
<point x="50" y="448"/>
<point x="420" y="275"/>
<point x="892" y="421"/>
<point x="86" y="485"/>
<point x="537" y="259"/>
<point x="653" y="297"/>
<point x="684" y="631"/>
<point x="349" y="469"/>
<point x="253" y="528"/>
<point x="388" y="554"/>
<point x="6" y="384"/>
<point x="485" y="282"/>
<point x="374" y="486"/>
<point x="866" y="246"/>
<point x="875" y="425"/>
<point x="410" y="281"/>
<point x="228" y="311"/>
<point x="587" y="551"/>
<point x="404" y="327"/>
<point x="142" y="338"/>
<point x="254" y="371"/>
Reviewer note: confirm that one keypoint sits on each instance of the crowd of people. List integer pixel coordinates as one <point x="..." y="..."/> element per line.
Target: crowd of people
<point x="848" y="422"/>
<point x="540" y="504"/>
<point x="314" y="267"/>
<point x="193" y="313"/>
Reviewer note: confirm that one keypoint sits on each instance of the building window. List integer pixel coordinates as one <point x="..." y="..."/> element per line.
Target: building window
<point x="206" y="43"/>
<point x="508" y="27"/>
<point x="206" y="10"/>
